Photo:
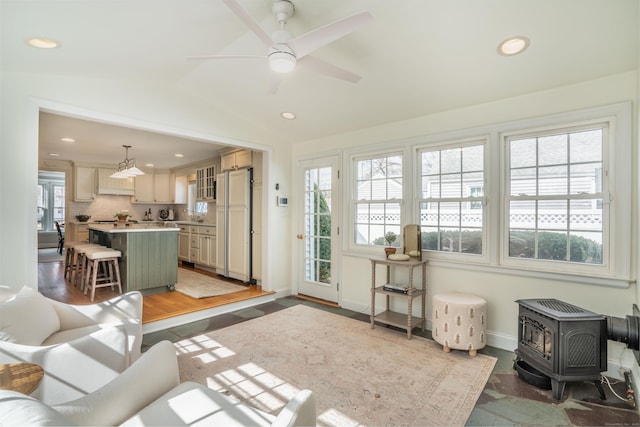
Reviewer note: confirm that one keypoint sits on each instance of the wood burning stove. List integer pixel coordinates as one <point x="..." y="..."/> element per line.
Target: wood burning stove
<point x="563" y="342"/>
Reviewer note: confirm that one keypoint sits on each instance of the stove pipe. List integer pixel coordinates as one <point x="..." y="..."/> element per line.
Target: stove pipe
<point x="625" y="330"/>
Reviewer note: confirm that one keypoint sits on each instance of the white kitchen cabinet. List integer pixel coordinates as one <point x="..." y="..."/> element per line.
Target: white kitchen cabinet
<point x="205" y="183"/>
<point x="207" y="255"/>
<point x="236" y="160"/>
<point x="114" y="186"/>
<point x="144" y="189"/>
<point x="153" y="188"/>
<point x="162" y="188"/>
<point x="180" y="189"/>
<point x="194" y="245"/>
<point x="184" y="243"/>
<point x="84" y="184"/>
<point x="207" y="246"/>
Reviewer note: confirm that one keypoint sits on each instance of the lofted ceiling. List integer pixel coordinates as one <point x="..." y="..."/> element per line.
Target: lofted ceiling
<point x="416" y="57"/>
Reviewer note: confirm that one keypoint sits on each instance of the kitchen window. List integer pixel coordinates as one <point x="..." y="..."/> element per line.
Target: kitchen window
<point x="51" y="200"/>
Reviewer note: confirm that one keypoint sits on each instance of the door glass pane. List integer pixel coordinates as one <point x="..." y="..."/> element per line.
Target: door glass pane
<point x="317" y="220"/>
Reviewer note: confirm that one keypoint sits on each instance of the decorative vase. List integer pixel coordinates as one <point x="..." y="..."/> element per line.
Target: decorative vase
<point x="389" y="251"/>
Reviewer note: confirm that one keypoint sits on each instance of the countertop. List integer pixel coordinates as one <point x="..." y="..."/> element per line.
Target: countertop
<point x="117" y="227"/>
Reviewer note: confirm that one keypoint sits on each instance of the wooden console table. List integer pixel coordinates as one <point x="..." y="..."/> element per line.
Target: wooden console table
<point x="388" y="317"/>
<point x="21" y="377"/>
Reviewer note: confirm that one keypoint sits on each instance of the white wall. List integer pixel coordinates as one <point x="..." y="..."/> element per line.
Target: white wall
<point x="499" y="289"/>
<point x="145" y="105"/>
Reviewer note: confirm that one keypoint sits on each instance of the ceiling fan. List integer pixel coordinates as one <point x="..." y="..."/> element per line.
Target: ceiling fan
<point x="285" y="51"/>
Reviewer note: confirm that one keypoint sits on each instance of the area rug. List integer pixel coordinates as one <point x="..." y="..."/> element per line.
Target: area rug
<point x="359" y="375"/>
<point x="49" y="255"/>
<point x="198" y="285"/>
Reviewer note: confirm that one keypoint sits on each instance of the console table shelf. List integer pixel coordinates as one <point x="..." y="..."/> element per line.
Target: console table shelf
<point x="406" y="321"/>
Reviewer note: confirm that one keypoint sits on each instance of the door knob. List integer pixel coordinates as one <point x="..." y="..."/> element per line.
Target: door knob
<point x="300" y="236"/>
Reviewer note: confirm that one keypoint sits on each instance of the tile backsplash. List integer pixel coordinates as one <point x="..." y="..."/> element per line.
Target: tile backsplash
<point x="104" y="207"/>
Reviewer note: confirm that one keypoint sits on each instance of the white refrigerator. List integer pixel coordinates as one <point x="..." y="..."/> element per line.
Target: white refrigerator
<point x="233" y="224"/>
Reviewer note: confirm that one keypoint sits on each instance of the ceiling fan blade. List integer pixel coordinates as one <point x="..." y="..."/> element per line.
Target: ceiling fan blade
<point x="319" y="66"/>
<point x="249" y="21"/>
<point x="201" y="57"/>
<point x="322" y="36"/>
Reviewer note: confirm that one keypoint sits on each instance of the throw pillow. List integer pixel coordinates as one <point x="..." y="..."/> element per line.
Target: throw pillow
<point x="27" y="318"/>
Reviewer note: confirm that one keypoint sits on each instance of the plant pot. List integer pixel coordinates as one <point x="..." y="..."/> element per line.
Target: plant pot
<point x="389" y="251"/>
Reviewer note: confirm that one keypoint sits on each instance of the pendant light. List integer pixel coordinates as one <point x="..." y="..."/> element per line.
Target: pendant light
<point x="127" y="168"/>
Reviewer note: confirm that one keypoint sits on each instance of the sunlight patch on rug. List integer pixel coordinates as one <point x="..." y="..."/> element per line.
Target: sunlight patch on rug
<point x="198" y="285"/>
<point x="359" y="375"/>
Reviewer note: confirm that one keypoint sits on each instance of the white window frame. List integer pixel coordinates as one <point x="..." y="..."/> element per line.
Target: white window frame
<point x="617" y="176"/>
<point x="353" y="202"/>
<point x="617" y="273"/>
<point x="482" y="258"/>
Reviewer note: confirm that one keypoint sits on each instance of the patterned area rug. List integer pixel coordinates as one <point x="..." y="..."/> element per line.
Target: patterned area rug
<point x="359" y="375"/>
<point x="198" y="285"/>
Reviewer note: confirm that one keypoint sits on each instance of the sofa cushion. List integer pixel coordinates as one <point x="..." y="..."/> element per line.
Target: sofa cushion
<point x="17" y="409"/>
<point x="27" y="318"/>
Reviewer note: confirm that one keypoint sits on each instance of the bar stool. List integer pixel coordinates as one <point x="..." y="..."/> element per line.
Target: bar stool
<point x="81" y="262"/>
<point x="111" y="271"/>
<point x="70" y="258"/>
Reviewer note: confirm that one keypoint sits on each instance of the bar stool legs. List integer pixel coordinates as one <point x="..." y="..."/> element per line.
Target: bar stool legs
<point x="111" y="271"/>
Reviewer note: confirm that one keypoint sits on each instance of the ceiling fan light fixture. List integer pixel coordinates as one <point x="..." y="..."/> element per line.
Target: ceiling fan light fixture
<point x="282" y="62"/>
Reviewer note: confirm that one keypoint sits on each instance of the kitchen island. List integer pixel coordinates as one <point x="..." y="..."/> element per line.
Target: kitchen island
<point x="149" y="252"/>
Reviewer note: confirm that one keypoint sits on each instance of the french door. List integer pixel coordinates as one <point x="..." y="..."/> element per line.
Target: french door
<point x="319" y="235"/>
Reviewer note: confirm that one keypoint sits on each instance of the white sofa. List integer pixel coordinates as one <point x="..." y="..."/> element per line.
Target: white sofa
<point x="149" y="393"/>
<point x="80" y="347"/>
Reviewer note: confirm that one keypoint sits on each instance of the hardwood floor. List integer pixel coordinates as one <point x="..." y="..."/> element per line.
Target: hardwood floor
<point x="157" y="306"/>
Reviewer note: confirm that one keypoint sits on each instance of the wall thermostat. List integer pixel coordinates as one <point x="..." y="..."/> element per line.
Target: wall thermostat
<point x="282" y="201"/>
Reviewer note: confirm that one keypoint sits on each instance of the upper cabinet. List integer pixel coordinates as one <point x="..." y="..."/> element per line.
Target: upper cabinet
<point x="236" y="160"/>
<point x="206" y="183"/>
<point x="114" y="186"/>
<point x="84" y="184"/>
<point x="153" y="188"/>
<point x="181" y="186"/>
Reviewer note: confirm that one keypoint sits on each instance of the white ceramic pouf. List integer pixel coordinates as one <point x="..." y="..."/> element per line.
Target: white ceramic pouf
<point x="459" y="321"/>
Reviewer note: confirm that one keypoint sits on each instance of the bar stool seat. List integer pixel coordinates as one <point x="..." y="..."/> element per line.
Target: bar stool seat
<point x="111" y="271"/>
<point x="81" y="262"/>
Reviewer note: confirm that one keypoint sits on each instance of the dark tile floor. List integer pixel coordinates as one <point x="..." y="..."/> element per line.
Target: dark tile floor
<point x="506" y="400"/>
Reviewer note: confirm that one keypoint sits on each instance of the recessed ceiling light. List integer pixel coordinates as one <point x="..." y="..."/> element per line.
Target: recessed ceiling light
<point x="179" y="155"/>
<point x="288" y="115"/>
<point x="41" y="43"/>
<point x="513" y="45"/>
<point x="149" y="165"/>
<point x="67" y="139"/>
<point x="54" y="154"/>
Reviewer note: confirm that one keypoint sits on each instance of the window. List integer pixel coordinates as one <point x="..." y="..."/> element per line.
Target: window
<point x="555" y="197"/>
<point x="51" y="201"/>
<point x="545" y="197"/>
<point x="377" y="201"/>
<point x="450" y="205"/>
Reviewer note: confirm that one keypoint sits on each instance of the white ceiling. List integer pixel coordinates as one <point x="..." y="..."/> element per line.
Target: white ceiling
<point x="417" y="57"/>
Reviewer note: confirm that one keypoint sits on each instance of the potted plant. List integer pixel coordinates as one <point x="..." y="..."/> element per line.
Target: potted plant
<point x="122" y="216"/>
<point x="390" y="237"/>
